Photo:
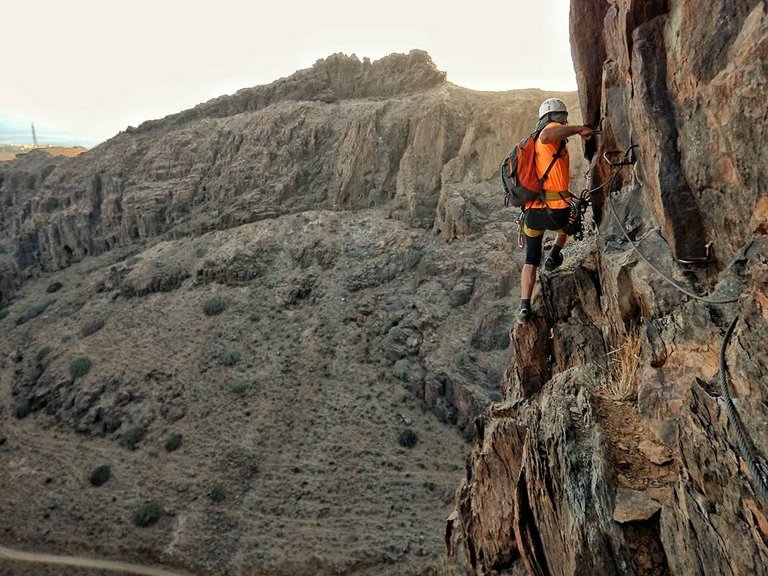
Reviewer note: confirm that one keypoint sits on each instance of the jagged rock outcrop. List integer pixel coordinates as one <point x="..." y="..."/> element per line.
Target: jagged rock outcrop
<point x="344" y="134"/>
<point x="566" y="477"/>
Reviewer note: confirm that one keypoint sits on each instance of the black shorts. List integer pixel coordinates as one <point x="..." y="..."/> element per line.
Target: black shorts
<point x="537" y="220"/>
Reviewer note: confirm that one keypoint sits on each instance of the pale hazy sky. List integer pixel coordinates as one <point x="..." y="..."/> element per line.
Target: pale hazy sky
<point x="90" y="68"/>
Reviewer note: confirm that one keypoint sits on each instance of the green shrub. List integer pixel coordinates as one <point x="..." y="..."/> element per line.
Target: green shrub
<point x="33" y="312"/>
<point x="3" y="313"/>
<point x="92" y="326"/>
<point x="240" y="387"/>
<point x="101" y="474"/>
<point x="215" y="305"/>
<point x="52" y="406"/>
<point x="51" y="204"/>
<point x="42" y="354"/>
<point x="230" y="357"/>
<point x="133" y="436"/>
<point x="401" y="369"/>
<point x="131" y="260"/>
<point x="23" y="410"/>
<point x="408" y="438"/>
<point x="148" y="514"/>
<point x="200" y="252"/>
<point x="218" y="494"/>
<point x="80" y="366"/>
<point x="54" y="287"/>
<point x="462" y="358"/>
<point x="415" y="255"/>
<point x="111" y="383"/>
<point x="173" y="443"/>
<point x="395" y="334"/>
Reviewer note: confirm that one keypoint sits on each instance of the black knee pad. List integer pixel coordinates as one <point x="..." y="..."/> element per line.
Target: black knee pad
<point x="533" y="249"/>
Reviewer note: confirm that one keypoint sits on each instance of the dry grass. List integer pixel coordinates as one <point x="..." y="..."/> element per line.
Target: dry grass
<point x="622" y="368"/>
<point x="8" y="152"/>
<point x="441" y="567"/>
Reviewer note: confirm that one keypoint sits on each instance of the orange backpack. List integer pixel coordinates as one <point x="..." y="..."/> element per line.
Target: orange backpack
<point x="518" y="172"/>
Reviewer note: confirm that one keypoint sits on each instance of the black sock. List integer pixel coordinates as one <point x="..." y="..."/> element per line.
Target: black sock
<point x="555" y="250"/>
<point x="525" y="304"/>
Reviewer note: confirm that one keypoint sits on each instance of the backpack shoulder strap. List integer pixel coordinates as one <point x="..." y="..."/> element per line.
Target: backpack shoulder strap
<point x="555" y="156"/>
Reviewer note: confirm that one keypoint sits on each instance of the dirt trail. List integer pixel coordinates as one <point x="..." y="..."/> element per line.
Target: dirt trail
<point x="79" y="562"/>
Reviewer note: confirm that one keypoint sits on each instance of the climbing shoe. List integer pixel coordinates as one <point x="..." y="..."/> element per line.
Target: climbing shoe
<point x="523" y="315"/>
<point x="553" y="261"/>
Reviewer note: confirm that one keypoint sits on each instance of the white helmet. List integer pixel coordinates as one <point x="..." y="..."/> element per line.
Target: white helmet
<point x="552" y="105"/>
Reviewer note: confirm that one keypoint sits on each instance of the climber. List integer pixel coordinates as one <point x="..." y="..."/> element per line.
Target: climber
<point x="552" y="130"/>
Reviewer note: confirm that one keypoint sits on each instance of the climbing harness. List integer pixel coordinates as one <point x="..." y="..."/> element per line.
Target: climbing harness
<point x="758" y="469"/>
<point x="575" y="225"/>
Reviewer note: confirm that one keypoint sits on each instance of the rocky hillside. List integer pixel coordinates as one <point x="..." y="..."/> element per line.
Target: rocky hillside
<point x="342" y="135"/>
<point x="274" y="317"/>
<point x="615" y="449"/>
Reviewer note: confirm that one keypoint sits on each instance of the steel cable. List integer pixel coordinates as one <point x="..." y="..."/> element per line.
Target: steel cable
<point x="759" y="474"/>
<point x="757" y="469"/>
<point x="663" y="276"/>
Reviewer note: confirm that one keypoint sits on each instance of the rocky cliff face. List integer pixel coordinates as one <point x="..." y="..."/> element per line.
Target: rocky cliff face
<point x="571" y="475"/>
